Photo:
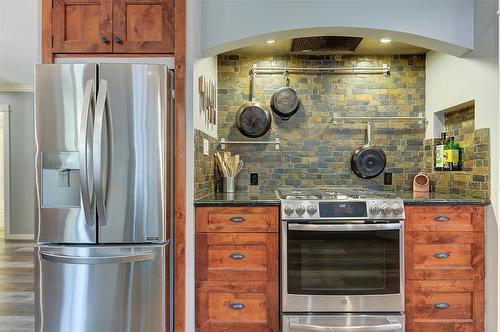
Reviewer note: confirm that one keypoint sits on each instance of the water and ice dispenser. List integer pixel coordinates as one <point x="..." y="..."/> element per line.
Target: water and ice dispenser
<point x="60" y="180"/>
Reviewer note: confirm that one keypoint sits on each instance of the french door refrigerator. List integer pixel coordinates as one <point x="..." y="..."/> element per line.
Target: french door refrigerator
<point x="103" y="195"/>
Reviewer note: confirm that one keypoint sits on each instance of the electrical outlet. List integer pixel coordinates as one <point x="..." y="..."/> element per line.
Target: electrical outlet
<point x="205" y="147"/>
<point x="388" y="179"/>
<point x="254" y="179"/>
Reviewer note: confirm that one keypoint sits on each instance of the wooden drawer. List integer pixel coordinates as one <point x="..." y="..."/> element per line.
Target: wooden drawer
<point x="445" y="218"/>
<point x="444" y="255"/>
<point x="237" y="219"/>
<point x="237" y="256"/>
<point x="444" y="305"/>
<point x="244" y="306"/>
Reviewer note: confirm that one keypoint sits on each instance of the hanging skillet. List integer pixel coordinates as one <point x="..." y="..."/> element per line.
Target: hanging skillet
<point x="368" y="160"/>
<point x="252" y="119"/>
<point x="285" y="101"/>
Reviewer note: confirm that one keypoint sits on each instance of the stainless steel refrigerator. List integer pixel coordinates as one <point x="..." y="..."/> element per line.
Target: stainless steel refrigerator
<point x="102" y="197"/>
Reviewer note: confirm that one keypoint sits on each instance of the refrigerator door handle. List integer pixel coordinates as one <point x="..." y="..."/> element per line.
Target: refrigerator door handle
<point x="102" y="105"/>
<point x="85" y="149"/>
<point x="130" y="258"/>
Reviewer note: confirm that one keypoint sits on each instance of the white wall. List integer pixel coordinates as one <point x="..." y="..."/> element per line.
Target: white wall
<point x="444" y="25"/>
<point x="451" y="81"/>
<point x="19" y="43"/>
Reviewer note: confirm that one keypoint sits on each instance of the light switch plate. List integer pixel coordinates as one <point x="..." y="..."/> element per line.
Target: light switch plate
<point x="205" y="147"/>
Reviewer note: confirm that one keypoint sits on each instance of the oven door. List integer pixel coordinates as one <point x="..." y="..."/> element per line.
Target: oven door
<point x="333" y="267"/>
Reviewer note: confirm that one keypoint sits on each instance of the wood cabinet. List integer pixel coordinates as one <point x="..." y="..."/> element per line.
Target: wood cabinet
<point x="113" y="26"/>
<point x="237" y="269"/>
<point x="444" y="268"/>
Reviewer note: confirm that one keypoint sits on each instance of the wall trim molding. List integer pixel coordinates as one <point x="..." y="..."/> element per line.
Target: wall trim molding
<point x="16" y="88"/>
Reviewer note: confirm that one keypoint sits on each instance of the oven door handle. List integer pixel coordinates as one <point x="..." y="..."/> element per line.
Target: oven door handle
<point x="342" y="228"/>
<point x="377" y="328"/>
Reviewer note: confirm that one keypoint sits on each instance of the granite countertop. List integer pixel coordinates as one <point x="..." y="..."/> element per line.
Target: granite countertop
<point x="269" y="198"/>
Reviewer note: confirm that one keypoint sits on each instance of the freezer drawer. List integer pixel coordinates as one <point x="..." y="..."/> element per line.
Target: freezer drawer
<point x="101" y="288"/>
<point x="343" y="323"/>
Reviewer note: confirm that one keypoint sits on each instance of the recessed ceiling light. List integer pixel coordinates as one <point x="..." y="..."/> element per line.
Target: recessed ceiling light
<point x="270" y="41"/>
<point x="385" y="40"/>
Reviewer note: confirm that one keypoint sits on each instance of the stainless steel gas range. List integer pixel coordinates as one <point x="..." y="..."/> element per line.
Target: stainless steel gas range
<point x="341" y="260"/>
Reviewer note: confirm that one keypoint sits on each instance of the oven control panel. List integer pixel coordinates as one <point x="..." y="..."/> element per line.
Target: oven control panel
<point x="378" y="209"/>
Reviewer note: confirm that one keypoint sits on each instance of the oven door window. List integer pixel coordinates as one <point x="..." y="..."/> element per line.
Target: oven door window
<point x="343" y="262"/>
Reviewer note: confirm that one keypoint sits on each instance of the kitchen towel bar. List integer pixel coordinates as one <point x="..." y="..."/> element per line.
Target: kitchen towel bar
<point x="223" y="142"/>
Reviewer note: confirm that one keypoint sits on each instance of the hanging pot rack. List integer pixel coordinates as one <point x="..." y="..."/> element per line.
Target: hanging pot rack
<point x="384" y="70"/>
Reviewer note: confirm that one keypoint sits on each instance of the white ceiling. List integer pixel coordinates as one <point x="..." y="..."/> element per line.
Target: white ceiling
<point x="367" y="46"/>
<point x="19" y="42"/>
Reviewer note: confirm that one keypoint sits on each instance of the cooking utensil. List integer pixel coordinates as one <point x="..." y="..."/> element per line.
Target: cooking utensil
<point x="285" y="102"/>
<point x="253" y="119"/>
<point x="368" y="160"/>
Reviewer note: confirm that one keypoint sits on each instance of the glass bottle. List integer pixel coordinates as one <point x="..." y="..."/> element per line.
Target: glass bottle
<point x="450" y="154"/>
<point x="439" y="164"/>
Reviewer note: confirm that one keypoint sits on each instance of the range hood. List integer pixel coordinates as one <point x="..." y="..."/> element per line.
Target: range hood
<point x="325" y="45"/>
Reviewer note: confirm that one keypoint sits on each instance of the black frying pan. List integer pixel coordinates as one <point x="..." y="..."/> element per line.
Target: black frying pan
<point x="368" y="160"/>
<point x="285" y="101"/>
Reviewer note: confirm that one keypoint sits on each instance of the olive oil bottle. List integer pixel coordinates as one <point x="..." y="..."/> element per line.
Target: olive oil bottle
<point x="451" y="155"/>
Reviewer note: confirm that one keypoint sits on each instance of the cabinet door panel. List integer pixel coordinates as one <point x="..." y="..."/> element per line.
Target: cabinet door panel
<point x="444" y="255"/>
<point x="143" y="26"/>
<point x="82" y="26"/>
<point x="242" y="306"/>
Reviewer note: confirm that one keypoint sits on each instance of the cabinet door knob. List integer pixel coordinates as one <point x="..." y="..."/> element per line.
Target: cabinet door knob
<point x="118" y="40"/>
<point x="441" y="254"/>
<point x="104" y="40"/>
<point x="237" y="219"/>
<point x="237" y="306"/>
<point x="441" y="305"/>
<point x="237" y="255"/>
<point x="442" y="218"/>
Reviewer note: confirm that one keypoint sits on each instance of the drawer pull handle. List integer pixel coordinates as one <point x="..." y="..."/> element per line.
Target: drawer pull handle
<point x="441" y="305"/>
<point x="441" y="254"/>
<point x="442" y="218"/>
<point x="237" y="306"/>
<point x="237" y="256"/>
<point x="237" y="219"/>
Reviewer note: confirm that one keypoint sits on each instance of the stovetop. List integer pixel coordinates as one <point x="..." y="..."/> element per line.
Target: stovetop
<point x="333" y="193"/>
<point x="339" y="203"/>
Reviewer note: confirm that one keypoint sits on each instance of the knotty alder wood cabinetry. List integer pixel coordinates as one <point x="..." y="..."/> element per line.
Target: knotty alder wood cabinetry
<point x="237" y="269"/>
<point x="444" y="268"/>
<point x="113" y="26"/>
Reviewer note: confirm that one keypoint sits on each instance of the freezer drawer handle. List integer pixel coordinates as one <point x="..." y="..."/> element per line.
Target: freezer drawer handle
<point x="442" y="218"/>
<point x="237" y="255"/>
<point x="237" y="219"/>
<point x="441" y="305"/>
<point x="237" y="306"/>
<point x="441" y="254"/>
<point x="98" y="260"/>
<point x="376" y="328"/>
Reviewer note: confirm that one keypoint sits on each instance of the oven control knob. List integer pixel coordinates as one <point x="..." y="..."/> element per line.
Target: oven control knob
<point x="397" y="209"/>
<point x="300" y="210"/>
<point x="288" y="210"/>
<point x="386" y="209"/>
<point x="374" y="210"/>
<point x="311" y="209"/>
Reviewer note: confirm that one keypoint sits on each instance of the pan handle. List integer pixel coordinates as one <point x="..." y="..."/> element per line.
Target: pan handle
<point x="369" y="132"/>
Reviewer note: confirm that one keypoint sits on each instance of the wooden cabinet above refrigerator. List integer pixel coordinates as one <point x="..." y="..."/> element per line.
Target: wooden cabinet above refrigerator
<point x="109" y="26"/>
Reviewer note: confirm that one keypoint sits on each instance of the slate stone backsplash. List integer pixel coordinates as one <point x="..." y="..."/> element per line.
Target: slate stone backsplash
<point x="204" y="183"/>
<point x="314" y="149"/>
<point x="473" y="180"/>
